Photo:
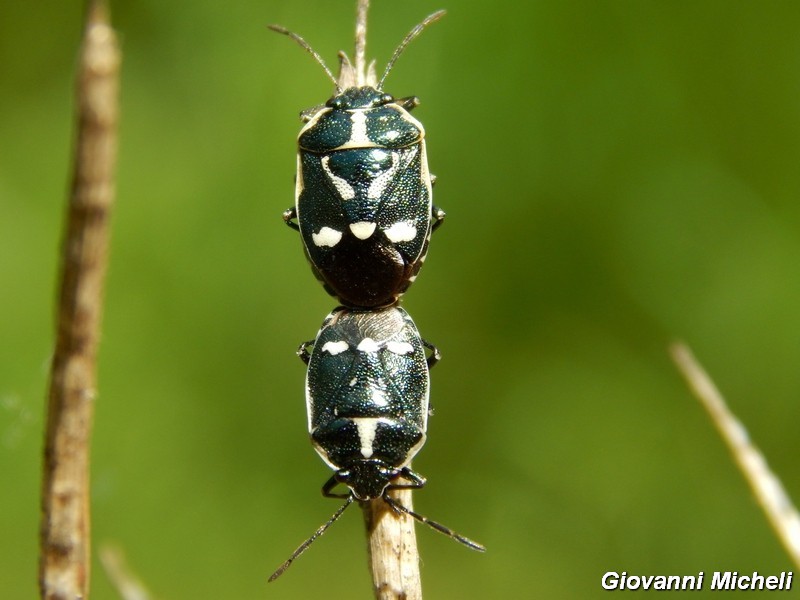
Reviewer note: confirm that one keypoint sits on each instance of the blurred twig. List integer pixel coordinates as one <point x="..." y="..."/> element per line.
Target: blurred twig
<point x="124" y="580"/>
<point x="766" y="487"/>
<point x="64" y="559"/>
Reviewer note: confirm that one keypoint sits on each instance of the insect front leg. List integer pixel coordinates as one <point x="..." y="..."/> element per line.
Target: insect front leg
<point x="289" y="215"/>
<point x="416" y="481"/>
<point x="329" y="485"/>
<point x="302" y="351"/>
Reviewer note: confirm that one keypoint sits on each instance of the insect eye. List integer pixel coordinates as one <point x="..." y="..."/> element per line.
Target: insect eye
<point x="334" y="102"/>
<point x="386" y="99"/>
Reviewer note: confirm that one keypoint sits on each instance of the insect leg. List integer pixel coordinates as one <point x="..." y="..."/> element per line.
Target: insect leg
<point x="329" y="485"/>
<point x="433" y="524"/>
<point x="409" y="103"/>
<point x="435" y="355"/>
<point x="304" y="546"/>
<point x="302" y="351"/>
<point x="288" y="217"/>
<point x="438" y="217"/>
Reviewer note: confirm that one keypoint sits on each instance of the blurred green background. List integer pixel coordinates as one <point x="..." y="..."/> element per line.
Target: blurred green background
<point x="616" y="175"/>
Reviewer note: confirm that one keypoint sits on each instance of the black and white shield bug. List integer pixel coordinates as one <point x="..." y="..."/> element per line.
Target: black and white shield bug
<point x="363" y="195"/>
<point x="367" y="391"/>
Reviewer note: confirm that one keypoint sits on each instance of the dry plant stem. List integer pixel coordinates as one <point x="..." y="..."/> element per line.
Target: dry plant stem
<point x="64" y="559"/>
<point x="392" y="545"/>
<point x="391" y="539"/>
<point x="360" y="53"/>
<point x="766" y="487"/>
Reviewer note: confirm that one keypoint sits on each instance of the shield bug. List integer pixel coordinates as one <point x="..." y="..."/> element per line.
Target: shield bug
<point x="367" y="390"/>
<point x="363" y="195"/>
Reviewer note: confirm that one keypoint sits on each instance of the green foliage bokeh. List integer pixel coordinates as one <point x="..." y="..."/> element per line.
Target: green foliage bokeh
<point x="617" y="174"/>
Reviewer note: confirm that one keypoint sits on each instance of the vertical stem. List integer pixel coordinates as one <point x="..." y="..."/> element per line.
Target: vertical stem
<point x="64" y="560"/>
<point x="392" y="543"/>
<point x="392" y="549"/>
<point x="360" y="53"/>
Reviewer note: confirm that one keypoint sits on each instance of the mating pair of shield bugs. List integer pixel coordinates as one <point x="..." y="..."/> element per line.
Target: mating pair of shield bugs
<point x="365" y="213"/>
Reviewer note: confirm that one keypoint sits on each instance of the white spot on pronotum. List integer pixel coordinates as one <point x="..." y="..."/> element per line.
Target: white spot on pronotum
<point x="400" y="347"/>
<point x="367" y="427"/>
<point x="367" y="345"/>
<point x="363" y="229"/>
<point x="352" y="382"/>
<point x="343" y="187"/>
<point x="402" y="231"/>
<point x="326" y="237"/>
<point x="358" y="134"/>
<point x="334" y="348"/>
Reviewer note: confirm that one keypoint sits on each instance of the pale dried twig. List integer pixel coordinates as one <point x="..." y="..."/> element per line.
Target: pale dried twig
<point x="360" y="52"/>
<point x="392" y="547"/>
<point x="766" y="487"/>
<point x="64" y="560"/>
<point x="124" y="580"/>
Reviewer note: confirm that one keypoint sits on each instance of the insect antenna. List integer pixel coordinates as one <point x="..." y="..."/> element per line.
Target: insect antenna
<point x="407" y="40"/>
<point x="307" y="47"/>
<point x="433" y="524"/>
<point x="304" y="546"/>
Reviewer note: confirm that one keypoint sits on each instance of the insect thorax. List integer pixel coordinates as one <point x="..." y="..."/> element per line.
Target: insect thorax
<point x="360" y="118"/>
